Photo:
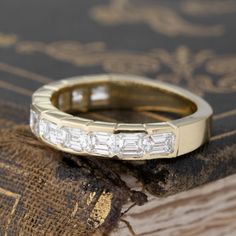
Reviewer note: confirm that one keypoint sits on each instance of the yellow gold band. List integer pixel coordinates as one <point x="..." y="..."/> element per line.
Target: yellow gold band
<point x="52" y="120"/>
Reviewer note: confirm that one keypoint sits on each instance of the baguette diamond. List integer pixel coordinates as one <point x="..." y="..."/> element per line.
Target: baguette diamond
<point x="75" y="138"/>
<point x="44" y="128"/>
<point x="130" y="145"/>
<point x="124" y="145"/>
<point x="34" y="122"/>
<point x="56" y="135"/>
<point x="102" y="143"/>
<point x="161" y="143"/>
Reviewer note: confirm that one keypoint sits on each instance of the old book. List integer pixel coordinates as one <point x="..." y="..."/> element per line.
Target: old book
<point x="188" y="43"/>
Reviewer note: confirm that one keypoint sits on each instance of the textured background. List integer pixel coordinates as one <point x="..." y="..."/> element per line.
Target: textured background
<point x="186" y="42"/>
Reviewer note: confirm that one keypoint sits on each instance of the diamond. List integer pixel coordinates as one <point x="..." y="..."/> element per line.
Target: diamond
<point x="162" y="143"/>
<point x="101" y="143"/>
<point x="75" y="139"/>
<point x="34" y="122"/>
<point x="77" y="95"/>
<point x="99" y="93"/>
<point x="51" y="132"/>
<point x="56" y="135"/>
<point x="130" y="145"/>
<point x="43" y="128"/>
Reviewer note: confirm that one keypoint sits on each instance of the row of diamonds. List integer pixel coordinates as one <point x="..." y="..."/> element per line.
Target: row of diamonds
<point x="102" y="143"/>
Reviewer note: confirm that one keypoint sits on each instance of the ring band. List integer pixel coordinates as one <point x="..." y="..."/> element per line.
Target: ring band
<point x="51" y="119"/>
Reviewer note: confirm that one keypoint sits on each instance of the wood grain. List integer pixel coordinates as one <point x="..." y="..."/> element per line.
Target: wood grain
<point x="206" y="210"/>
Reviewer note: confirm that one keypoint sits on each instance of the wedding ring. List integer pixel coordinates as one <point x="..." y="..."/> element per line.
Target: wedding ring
<point x="53" y="122"/>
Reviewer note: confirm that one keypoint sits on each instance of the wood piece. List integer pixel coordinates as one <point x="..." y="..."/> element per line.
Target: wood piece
<point x="204" y="211"/>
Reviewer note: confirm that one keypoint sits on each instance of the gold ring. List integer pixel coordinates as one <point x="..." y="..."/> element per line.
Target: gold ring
<point x="51" y="118"/>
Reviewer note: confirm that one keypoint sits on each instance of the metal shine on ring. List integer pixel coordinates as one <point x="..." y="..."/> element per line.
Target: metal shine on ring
<point x="53" y="123"/>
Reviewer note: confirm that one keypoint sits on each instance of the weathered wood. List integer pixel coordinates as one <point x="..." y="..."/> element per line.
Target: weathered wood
<point x="204" y="211"/>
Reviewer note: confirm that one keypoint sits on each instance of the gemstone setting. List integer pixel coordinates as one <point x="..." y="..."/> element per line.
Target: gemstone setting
<point x="34" y="122"/>
<point x="125" y="145"/>
<point x="161" y="143"/>
<point x="75" y="139"/>
<point x="102" y="143"/>
<point x="56" y="135"/>
<point x="130" y="144"/>
<point x="44" y="128"/>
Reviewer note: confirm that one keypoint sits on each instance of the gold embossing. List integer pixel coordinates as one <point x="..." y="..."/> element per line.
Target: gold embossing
<point x="161" y="18"/>
<point x="15" y="88"/>
<point x="223" y="135"/>
<point x="206" y="7"/>
<point x="224" y="67"/>
<point x="24" y="73"/>
<point x="225" y="114"/>
<point x="91" y="197"/>
<point x="76" y="207"/>
<point x="93" y="54"/>
<point x="192" y="70"/>
<point x="184" y="68"/>
<point x="7" y="40"/>
<point x="6" y="213"/>
<point x="101" y="209"/>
